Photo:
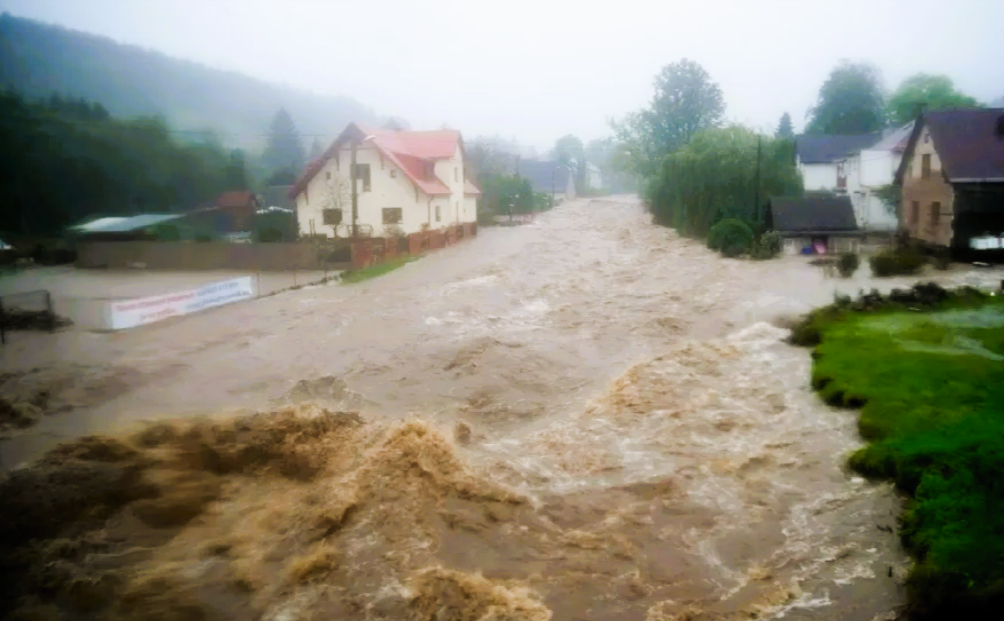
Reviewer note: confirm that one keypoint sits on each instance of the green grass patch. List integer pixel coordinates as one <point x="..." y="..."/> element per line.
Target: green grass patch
<point x="930" y="386"/>
<point x="373" y="271"/>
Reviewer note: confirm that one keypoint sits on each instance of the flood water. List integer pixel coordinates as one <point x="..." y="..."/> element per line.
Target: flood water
<point x="629" y="385"/>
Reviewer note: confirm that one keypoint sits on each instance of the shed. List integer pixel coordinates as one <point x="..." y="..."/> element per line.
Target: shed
<point x="817" y="220"/>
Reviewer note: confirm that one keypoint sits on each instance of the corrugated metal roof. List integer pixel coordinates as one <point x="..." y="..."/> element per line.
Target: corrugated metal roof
<point x="97" y="224"/>
<point x="123" y="225"/>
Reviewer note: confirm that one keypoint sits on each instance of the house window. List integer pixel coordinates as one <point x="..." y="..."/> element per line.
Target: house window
<point x="935" y="214"/>
<point x="327" y="175"/>
<point x="437" y="213"/>
<point x="392" y="215"/>
<point x="914" y="212"/>
<point x="393" y="174"/>
<point x="925" y="166"/>
<point x="332" y="217"/>
<point x="456" y="174"/>
<point x="363" y="175"/>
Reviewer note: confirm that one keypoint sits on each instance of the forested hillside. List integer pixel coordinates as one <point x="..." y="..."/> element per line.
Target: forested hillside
<point x="38" y="59"/>
<point x="66" y="159"/>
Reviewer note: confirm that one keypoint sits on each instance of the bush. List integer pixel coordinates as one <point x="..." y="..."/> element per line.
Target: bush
<point x="731" y="237"/>
<point x="847" y="264"/>
<point x="768" y="246"/>
<point x="897" y="262"/>
<point x="270" y="234"/>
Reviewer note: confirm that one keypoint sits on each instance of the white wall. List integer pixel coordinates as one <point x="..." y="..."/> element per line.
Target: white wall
<point x="867" y="171"/>
<point x="389" y="187"/>
<point x="818" y="176"/>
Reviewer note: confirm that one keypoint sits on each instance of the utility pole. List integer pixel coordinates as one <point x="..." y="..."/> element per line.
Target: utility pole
<point x="355" y="189"/>
<point x="756" y="186"/>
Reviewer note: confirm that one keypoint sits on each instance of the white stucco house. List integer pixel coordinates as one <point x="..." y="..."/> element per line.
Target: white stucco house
<point x="869" y="169"/>
<point x="817" y="158"/>
<point x="407" y="181"/>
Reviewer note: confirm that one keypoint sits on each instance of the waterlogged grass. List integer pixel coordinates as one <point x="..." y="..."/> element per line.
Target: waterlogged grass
<point x="375" y="270"/>
<point x="930" y="386"/>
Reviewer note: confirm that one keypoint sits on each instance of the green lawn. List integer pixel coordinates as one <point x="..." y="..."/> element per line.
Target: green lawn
<point x="930" y="386"/>
<point x="375" y="270"/>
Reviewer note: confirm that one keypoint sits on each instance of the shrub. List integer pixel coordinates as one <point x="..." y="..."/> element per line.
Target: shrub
<point x="269" y="234"/>
<point x="731" y="237"/>
<point x="847" y="264"/>
<point x="897" y="262"/>
<point x="768" y="246"/>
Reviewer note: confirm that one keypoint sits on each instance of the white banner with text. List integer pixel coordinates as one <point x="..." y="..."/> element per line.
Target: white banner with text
<point x="141" y="311"/>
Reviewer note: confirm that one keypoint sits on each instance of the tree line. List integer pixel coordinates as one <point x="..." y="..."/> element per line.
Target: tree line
<point x="697" y="170"/>
<point x="63" y="159"/>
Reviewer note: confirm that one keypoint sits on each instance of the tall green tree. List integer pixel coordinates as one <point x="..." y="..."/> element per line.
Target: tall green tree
<point x="722" y="173"/>
<point x="932" y="91"/>
<point x="283" y="150"/>
<point x="784" y="128"/>
<point x="686" y="101"/>
<point x="850" y="102"/>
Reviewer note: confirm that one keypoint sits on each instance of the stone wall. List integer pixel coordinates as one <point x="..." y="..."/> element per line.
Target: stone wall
<point x="185" y="256"/>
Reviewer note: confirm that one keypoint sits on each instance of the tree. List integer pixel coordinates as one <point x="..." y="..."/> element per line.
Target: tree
<point x="932" y="91"/>
<point x="283" y="151"/>
<point x="784" y="128"/>
<point x="850" y="102"/>
<point x="316" y="150"/>
<point x="686" y="101"/>
<point x="722" y="173"/>
<point x="282" y="177"/>
<point x="236" y="171"/>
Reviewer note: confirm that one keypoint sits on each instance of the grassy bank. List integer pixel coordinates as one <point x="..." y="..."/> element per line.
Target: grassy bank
<point x="930" y="386"/>
<point x="373" y="271"/>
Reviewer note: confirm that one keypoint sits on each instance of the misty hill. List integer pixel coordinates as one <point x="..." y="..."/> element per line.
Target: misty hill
<point x="37" y="59"/>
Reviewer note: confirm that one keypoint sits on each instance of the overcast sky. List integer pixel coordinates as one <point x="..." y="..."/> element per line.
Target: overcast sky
<point x="536" y="70"/>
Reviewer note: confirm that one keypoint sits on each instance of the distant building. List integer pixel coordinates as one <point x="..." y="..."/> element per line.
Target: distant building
<point x="594" y="178"/>
<point x="818" y="159"/>
<point x="548" y="177"/>
<point x="406" y="181"/>
<point x="952" y="177"/>
<point x="866" y="171"/>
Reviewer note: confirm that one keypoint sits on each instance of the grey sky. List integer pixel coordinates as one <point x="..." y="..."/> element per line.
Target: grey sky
<point x="536" y="70"/>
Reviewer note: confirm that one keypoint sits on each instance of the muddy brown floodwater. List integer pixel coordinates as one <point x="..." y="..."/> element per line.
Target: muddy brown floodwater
<point x="586" y="417"/>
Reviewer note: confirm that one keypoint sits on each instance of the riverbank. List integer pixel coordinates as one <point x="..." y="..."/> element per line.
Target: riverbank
<point x="926" y="369"/>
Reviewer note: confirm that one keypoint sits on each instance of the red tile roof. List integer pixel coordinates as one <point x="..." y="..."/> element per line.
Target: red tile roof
<point x="235" y="198"/>
<point x="415" y="153"/>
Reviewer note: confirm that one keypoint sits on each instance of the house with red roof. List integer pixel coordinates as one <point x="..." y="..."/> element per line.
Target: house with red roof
<point x="406" y="182"/>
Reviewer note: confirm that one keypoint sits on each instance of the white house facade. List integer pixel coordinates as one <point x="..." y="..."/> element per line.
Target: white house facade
<point x="868" y="170"/>
<point x="817" y="158"/>
<point x="406" y="182"/>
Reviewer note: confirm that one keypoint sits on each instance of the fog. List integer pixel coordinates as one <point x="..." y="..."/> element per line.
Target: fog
<point x="537" y="70"/>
